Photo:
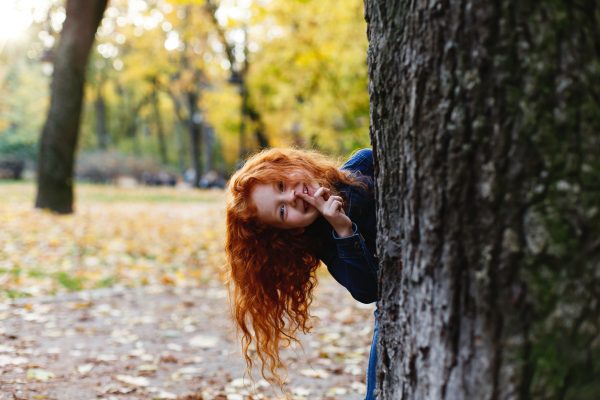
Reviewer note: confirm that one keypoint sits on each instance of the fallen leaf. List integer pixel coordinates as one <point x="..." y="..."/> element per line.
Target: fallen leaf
<point x="161" y="394"/>
<point x="7" y="360"/>
<point x="203" y="341"/>
<point x="106" y="358"/>
<point x="315" y="373"/>
<point x="133" y="380"/>
<point x="337" y="391"/>
<point x="301" y="391"/>
<point x="168" y="358"/>
<point x="85" y="368"/>
<point x="147" y="368"/>
<point x="39" y="374"/>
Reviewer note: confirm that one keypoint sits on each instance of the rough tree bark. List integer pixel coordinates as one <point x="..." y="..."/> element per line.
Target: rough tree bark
<point x="58" y="142"/>
<point x="486" y="128"/>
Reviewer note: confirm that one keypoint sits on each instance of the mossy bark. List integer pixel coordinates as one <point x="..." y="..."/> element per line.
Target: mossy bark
<point x="485" y="120"/>
<point x="58" y="142"/>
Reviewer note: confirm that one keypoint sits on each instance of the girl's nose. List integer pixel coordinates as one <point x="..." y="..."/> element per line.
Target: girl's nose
<point x="291" y="196"/>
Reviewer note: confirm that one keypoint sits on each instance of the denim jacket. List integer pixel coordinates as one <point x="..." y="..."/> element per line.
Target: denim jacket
<point x="352" y="260"/>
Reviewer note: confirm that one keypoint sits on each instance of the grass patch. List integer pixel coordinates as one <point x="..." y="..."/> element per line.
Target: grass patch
<point x="106" y="282"/>
<point x="36" y="273"/>
<point x="69" y="282"/>
<point x="16" y="294"/>
<point x="24" y="192"/>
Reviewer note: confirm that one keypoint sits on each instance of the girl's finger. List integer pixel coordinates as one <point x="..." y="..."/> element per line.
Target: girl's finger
<point x="335" y="205"/>
<point x="309" y="199"/>
<point x="332" y="205"/>
<point x="322" y="192"/>
<point x="338" y="198"/>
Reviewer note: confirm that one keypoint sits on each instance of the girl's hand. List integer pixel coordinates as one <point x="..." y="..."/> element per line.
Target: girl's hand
<point x="331" y="208"/>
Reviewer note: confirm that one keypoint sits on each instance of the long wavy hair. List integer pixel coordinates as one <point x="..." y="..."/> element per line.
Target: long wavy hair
<point x="271" y="271"/>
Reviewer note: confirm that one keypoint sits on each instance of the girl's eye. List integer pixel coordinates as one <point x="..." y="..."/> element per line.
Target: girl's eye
<point x="281" y="212"/>
<point x="280" y="186"/>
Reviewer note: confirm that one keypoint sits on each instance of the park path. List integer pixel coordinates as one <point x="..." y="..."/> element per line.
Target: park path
<point x="165" y="342"/>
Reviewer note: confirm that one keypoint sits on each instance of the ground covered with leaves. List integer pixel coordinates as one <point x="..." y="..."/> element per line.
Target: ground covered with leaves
<point x="125" y="300"/>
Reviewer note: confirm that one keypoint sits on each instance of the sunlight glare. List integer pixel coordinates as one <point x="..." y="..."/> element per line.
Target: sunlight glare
<point x="172" y="42"/>
<point x="15" y="19"/>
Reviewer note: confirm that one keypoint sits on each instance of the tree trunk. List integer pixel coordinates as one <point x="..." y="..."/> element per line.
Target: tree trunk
<point x="194" y="126"/>
<point x="191" y="95"/>
<point x="181" y="158"/>
<point x="101" y="125"/>
<point x="177" y="127"/>
<point x="209" y="146"/>
<point x="243" y="87"/>
<point x="59" y="137"/>
<point x="486" y="130"/>
<point x="259" y="127"/>
<point x="160" y="132"/>
<point x="239" y="78"/>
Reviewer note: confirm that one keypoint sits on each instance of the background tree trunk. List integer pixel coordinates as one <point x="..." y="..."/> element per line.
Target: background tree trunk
<point x="101" y="118"/>
<point x="239" y="77"/>
<point x="196" y="137"/>
<point x="58" y="142"/>
<point x="486" y="128"/>
<point x="160" y="132"/>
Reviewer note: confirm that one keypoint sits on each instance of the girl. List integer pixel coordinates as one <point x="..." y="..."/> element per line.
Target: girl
<point x="288" y="210"/>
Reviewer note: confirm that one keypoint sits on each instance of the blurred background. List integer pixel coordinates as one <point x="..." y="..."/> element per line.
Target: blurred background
<point x="239" y="74"/>
<point x="177" y="94"/>
<point x="233" y="75"/>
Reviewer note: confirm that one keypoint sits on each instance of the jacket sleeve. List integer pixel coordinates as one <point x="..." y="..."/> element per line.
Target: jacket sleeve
<point x="361" y="161"/>
<point x="353" y="266"/>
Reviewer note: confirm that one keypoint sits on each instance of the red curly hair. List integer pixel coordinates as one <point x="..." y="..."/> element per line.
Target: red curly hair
<point x="271" y="270"/>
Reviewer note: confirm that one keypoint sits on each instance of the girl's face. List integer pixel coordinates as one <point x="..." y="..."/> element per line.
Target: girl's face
<point x="278" y="204"/>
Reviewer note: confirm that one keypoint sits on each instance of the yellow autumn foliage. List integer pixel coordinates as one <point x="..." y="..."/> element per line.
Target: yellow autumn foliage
<point x="118" y="236"/>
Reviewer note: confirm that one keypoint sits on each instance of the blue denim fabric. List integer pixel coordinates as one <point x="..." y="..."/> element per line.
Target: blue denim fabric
<point x="372" y="370"/>
<point x="352" y="260"/>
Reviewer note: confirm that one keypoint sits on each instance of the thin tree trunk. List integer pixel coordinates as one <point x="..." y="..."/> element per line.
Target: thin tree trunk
<point x="131" y="122"/>
<point x="259" y="127"/>
<point x="194" y="126"/>
<point x="243" y="87"/>
<point x="181" y="162"/>
<point x="239" y="78"/>
<point x="485" y="126"/>
<point x="192" y="94"/>
<point x="162" y="143"/>
<point x="101" y="118"/>
<point x="243" y="118"/>
<point x="177" y="126"/>
<point x="58" y="142"/>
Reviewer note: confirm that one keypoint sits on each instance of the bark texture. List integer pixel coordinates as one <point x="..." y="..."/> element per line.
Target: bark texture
<point x="58" y="142"/>
<point x="486" y="128"/>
